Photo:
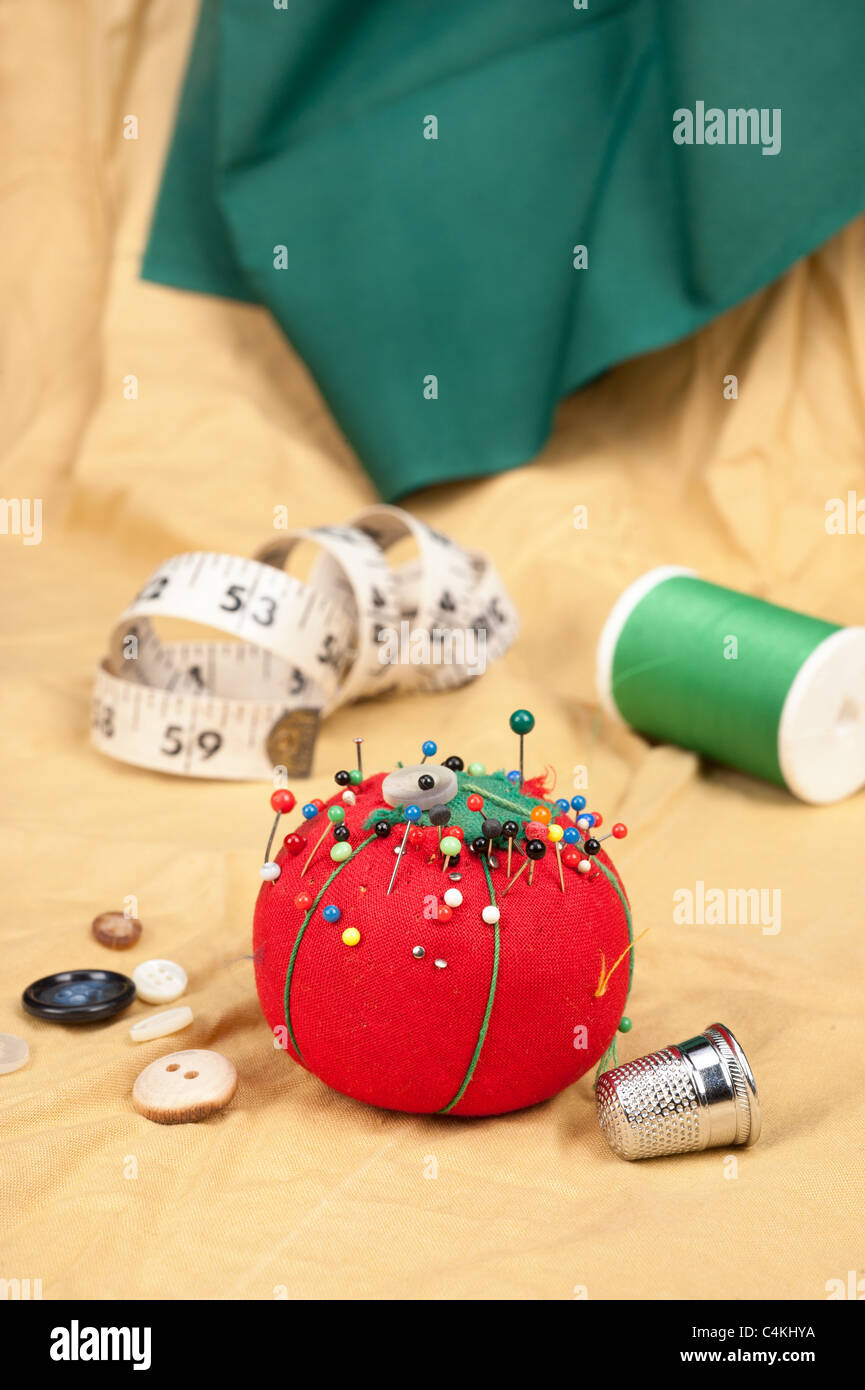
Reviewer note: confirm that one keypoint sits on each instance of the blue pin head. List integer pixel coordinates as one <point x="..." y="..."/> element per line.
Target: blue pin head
<point x="429" y="748"/>
<point x="309" y="811"/>
<point x="571" y="835"/>
<point x="578" y="803"/>
<point x="413" y="813"/>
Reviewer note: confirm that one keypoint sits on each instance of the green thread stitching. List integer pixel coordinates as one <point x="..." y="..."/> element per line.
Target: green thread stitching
<point x="303" y="927"/>
<point x="627" y="910"/>
<point x="519" y="809"/>
<point x="611" y="1053"/>
<point x="490" y="997"/>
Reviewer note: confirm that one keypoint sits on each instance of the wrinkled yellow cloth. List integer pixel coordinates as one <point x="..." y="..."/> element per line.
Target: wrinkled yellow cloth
<point x="294" y="1191"/>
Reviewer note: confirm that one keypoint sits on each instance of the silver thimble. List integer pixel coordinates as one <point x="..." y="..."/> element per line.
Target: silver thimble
<point x="698" y="1094"/>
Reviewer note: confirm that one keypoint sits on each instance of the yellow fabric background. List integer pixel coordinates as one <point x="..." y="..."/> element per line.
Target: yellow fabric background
<point x="293" y="1190"/>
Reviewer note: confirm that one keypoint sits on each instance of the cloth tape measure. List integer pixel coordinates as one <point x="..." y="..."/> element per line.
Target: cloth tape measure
<point x="237" y="709"/>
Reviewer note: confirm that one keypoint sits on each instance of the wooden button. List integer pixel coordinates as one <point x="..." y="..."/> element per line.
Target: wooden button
<point x="159" y="981"/>
<point x="184" y="1087"/>
<point x="161" y="1024"/>
<point x="14" y="1053"/>
<point x="116" y="930"/>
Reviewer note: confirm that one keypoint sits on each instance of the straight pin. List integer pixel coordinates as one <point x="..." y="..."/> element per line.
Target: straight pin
<point x="519" y="871"/>
<point x="522" y="721"/>
<point x="618" y="832"/>
<point x="450" y="846"/>
<point x="281" y="801"/>
<point x="412" y="816"/>
<point x="555" y="834"/>
<point x="439" y="816"/>
<point x="535" y="849"/>
<point x="270" y="840"/>
<point x="510" y="829"/>
<point x="318" y="842"/>
<point x="491" y="829"/>
<point x="357" y="743"/>
<point x="335" y="817"/>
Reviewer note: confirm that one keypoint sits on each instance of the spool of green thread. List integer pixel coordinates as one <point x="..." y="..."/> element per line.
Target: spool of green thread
<point x="744" y="682"/>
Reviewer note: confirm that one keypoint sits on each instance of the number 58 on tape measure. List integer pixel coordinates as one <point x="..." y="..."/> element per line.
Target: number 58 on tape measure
<point x="293" y="650"/>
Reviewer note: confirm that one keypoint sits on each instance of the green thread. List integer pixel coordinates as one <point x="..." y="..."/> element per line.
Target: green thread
<point x="446" y="1109"/>
<point x="674" y="678"/>
<point x="612" y="878"/>
<point x="609" y="1060"/>
<point x="303" y="926"/>
<point x="521" y="809"/>
<point x="611" y="1056"/>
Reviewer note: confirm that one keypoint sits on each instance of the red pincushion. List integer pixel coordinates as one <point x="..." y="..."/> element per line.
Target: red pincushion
<point x="375" y="1023"/>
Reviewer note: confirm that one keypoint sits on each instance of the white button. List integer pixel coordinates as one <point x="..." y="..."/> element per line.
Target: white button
<point x="400" y="787"/>
<point x="14" y="1053"/>
<point x="160" y="1025"/>
<point x="159" y="981"/>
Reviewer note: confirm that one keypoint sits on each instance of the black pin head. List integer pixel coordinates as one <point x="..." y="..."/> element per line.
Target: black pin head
<point x="439" y="815"/>
<point x="341" y="832"/>
<point x="510" y="829"/>
<point x="492" y="828"/>
<point x="591" y="846"/>
<point x="425" y="782"/>
<point x="478" y="845"/>
<point x="382" y="829"/>
<point x="342" y="779"/>
<point x="454" y="763"/>
<point x="535" y="849"/>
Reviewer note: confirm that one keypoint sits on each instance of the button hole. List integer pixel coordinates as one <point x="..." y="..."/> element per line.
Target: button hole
<point x="175" y="1066"/>
<point x="188" y="1075"/>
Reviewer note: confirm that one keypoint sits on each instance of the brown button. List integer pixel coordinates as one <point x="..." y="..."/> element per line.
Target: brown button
<point x="115" y="929"/>
<point x="183" y="1087"/>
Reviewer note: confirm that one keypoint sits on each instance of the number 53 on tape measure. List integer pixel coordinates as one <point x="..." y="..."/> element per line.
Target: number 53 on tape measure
<point x="293" y="650"/>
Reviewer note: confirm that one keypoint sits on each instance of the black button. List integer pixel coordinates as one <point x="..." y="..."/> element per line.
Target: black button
<point x="79" y="996"/>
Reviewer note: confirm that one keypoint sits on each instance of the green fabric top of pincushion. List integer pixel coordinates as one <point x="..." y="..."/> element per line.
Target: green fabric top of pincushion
<point x="502" y="801"/>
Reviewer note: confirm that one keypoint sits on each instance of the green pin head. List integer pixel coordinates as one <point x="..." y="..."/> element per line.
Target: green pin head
<point x="522" y="721"/>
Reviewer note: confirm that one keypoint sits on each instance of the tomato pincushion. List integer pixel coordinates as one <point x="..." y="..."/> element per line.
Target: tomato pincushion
<point x="492" y="1002"/>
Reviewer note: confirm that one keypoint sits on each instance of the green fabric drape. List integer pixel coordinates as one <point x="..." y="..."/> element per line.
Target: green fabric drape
<point x="408" y="258"/>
